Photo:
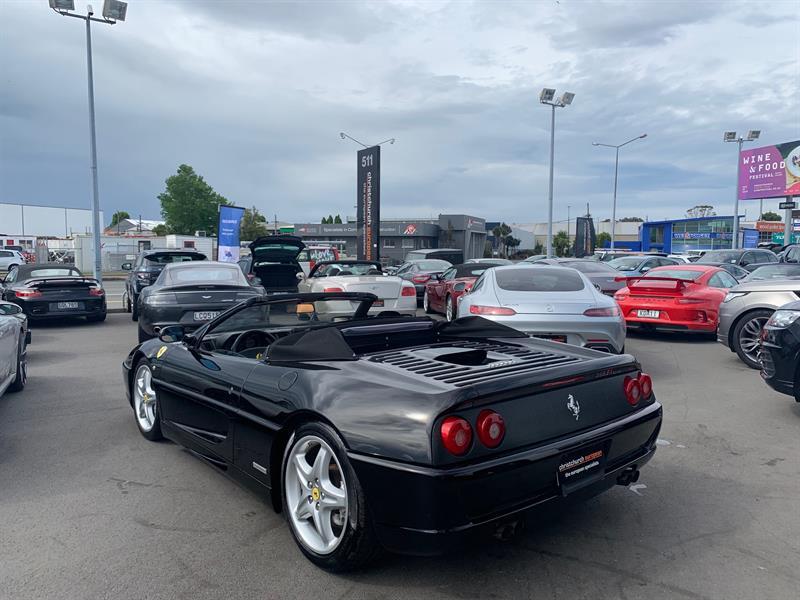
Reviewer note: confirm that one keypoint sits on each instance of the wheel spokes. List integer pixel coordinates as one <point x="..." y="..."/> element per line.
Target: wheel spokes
<point x="303" y="470"/>
<point x="321" y="464"/>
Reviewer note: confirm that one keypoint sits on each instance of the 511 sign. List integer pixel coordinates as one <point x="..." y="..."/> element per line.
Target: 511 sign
<point x="369" y="203"/>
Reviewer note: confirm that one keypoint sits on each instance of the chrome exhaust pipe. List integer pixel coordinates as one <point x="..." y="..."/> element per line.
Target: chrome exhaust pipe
<point x="628" y="476"/>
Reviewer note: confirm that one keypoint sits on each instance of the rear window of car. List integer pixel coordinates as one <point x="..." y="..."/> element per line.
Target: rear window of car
<point x="777" y="271"/>
<point x="472" y="270"/>
<point x="66" y="272"/>
<point x="675" y="273"/>
<point x="589" y="266"/>
<point x="538" y="280"/>
<point x="165" y="259"/>
<point x="720" y="256"/>
<point x="433" y="265"/>
<point x="222" y="274"/>
<point x="628" y="263"/>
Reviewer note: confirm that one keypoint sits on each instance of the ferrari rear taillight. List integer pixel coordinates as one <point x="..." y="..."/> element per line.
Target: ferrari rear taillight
<point x="610" y="311"/>
<point x="408" y="290"/>
<point x="646" y="384"/>
<point x="637" y="388"/>
<point x="27" y="294"/>
<point x="491" y="428"/>
<point x="456" y="435"/>
<point x="330" y="290"/>
<point x="420" y="278"/>
<point x="690" y="301"/>
<point x="476" y="309"/>
<point x="96" y="291"/>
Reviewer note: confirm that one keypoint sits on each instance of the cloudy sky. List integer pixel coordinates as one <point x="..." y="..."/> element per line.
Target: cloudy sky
<point x="254" y="94"/>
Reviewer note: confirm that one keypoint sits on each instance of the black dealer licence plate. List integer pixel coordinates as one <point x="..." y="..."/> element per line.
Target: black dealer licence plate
<point x="582" y="467"/>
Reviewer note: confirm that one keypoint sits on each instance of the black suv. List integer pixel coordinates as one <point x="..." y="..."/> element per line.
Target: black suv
<point x="272" y="263"/>
<point x="147" y="268"/>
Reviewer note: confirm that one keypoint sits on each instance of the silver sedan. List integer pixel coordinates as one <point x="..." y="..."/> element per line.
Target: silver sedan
<point x="550" y="302"/>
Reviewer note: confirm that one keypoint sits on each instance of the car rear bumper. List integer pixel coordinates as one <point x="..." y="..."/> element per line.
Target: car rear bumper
<point x="438" y="506"/>
<point x="44" y="309"/>
<point x="688" y="326"/>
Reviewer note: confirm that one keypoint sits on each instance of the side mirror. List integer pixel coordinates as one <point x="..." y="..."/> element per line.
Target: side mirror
<point x="300" y="276"/>
<point x="645" y="269"/>
<point x="126" y="266"/>
<point x="172" y="333"/>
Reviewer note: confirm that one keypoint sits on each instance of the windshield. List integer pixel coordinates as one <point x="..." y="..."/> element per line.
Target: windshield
<point x="720" y="256"/>
<point x="212" y="273"/>
<point x="628" y="263"/>
<point x="674" y="273"/>
<point x="538" y="280"/>
<point x="340" y="269"/>
<point x="774" y="272"/>
<point x="589" y="266"/>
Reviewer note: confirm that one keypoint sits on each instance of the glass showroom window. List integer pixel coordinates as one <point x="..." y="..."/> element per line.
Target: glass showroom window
<point x="408" y="243"/>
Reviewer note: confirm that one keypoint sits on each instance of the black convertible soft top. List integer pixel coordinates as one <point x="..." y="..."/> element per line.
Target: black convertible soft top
<point x="329" y="343"/>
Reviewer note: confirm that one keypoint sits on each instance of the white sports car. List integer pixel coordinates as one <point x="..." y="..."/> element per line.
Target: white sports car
<point x="14" y="340"/>
<point x="394" y="294"/>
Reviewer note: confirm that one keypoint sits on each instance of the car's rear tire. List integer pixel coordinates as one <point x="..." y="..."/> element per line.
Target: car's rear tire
<point x="323" y="501"/>
<point x="134" y="309"/>
<point x="143" y="335"/>
<point x="426" y="303"/>
<point x="449" y="309"/>
<point x="145" y="401"/>
<point x="22" y="366"/>
<point x="746" y="334"/>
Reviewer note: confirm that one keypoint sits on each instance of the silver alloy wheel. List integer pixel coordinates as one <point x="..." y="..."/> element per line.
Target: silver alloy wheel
<point x="749" y="337"/>
<point x="144" y="398"/>
<point x="316" y="494"/>
<point x="449" y="309"/>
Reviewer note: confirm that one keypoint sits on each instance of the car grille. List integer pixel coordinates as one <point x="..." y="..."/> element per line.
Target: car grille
<point x="518" y="359"/>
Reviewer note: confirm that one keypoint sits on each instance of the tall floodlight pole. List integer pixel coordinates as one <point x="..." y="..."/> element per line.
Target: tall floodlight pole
<point x="547" y="96"/>
<point x="616" y="171"/>
<point x="730" y="136"/>
<point x="113" y="11"/>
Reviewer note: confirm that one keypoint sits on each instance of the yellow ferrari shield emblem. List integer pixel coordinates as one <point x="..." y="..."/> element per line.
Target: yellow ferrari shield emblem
<point x="315" y="494"/>
<point x="161" y="351"/>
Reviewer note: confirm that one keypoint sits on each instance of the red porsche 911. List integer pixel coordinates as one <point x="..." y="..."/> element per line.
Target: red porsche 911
<point x="676" y="298"/>
<point x="442" y="292"/>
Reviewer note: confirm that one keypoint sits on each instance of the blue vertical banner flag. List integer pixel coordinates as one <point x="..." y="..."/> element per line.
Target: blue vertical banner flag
<point x="230" y="217"/>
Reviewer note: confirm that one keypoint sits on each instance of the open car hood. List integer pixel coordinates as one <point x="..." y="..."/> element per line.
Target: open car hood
<point x="276" y="248"/>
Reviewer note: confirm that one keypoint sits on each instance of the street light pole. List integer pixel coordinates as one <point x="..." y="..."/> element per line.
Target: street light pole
<point x="113" y="11"/>
<point x="546" y="96"/>
<point x="616" y="172"/>
<point x="568" y="220"/>
<point x="730" y="136"/>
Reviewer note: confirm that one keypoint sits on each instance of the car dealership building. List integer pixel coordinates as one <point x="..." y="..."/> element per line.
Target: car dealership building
<point x="399" y="237"/>
<point x="680" y="236"/>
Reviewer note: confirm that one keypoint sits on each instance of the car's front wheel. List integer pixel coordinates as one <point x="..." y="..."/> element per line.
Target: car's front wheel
<point x="145" y="401"/>
<point x="746" y="336"/>
<point x="450" y="310"/>
<point x="323" y="501"/>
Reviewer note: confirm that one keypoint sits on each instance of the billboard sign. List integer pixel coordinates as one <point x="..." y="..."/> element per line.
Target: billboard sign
<point x="772" y="226"/>
<point x="770" y="171"/>
<point x="585" y="239"/>
<point x="230" y="218"/>
<point x="369" y="202"/>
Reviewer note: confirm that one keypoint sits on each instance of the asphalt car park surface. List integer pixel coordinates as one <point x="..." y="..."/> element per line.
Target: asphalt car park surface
<point x="90" y="509"/>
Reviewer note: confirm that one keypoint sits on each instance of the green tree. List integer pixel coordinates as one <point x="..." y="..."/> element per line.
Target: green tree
<point x="160" y="229"/>
<point x="511" y="242"/>
<point x="501" y="232"/>
<point x="701" y="210"/>
<point x="538" y="249"/>
<point x="561" y="243"/>
<point x="253" y="225"/>
<point x="337" y="219"/>
<point x="119" y="216"/>
<point x="631" y="220"/>
<point x="189" y="204"/>
<point x="770" y="216"/>
<point x="602" y="238"/>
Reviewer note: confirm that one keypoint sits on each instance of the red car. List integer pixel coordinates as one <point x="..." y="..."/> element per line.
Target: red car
<point x="442" y="292"/>
<point x="677" y="298"/>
